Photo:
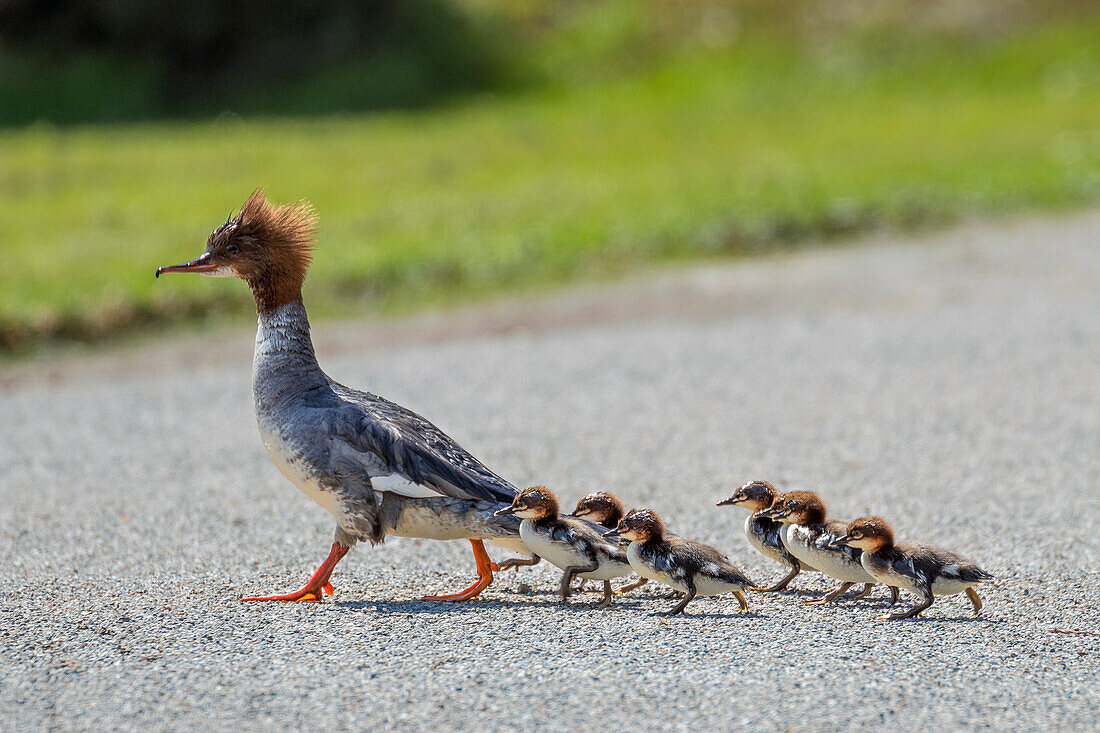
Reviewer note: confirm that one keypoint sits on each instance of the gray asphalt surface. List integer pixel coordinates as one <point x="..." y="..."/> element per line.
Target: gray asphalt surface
<point x="950" y="384"/>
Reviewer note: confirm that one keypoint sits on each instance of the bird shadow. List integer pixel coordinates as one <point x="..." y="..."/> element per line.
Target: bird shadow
<point x="417" y="606"/>
<point x="951" y="620"/>
<point x="700" y="613"/>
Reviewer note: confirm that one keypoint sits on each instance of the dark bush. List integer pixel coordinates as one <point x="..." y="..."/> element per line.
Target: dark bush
<point x="102" y="60"/>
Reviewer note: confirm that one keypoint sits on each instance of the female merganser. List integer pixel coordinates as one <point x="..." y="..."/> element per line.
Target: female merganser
<point x="377" y="467"/>
<point x="763" y="533"/>
<point x="605" y="509"/>
<point x="808" y="536"/>
<point x="924" y="571"/>
<point x="575" y="545"/>
<point x="691" y="568"/>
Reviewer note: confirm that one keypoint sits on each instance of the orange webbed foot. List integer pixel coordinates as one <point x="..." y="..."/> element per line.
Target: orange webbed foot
<point x="302" y="595"/>
<point x="317" y="586"/>
<point x="485" y="568"/>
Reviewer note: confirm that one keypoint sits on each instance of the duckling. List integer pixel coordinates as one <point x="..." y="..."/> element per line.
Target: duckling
<point x="575" y="545"/>
<point x="807" y="535"/>
<point x="763" y="533"/>
<point x="601" y="507"/>
<point x="922" y="570"/>
<point x="605" y="509"/>
<point x="691" y="568"/>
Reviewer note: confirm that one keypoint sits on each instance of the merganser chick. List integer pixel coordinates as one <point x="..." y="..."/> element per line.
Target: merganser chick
<point x="689" y="567"/>
<point x="601" y="507"/>
<point x="605" y="509"/>
<point x="762" y="532"/>
<point x="808" y="535"/>
<point x="575" y="545"/>
<point x="377" y="467"/>
<point x="924" y="571"/>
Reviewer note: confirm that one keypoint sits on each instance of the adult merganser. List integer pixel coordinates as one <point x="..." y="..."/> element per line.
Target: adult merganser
<point x="377" y="467"/>
<point x="808" y="535"/>
<point x="762" y="532"/>
<point x="575" y="545"/>
<point x="924" y="571"/>
<point x="691" y="568"/>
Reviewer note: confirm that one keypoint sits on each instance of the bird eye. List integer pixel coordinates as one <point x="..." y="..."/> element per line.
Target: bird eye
<point x="232" y="249"/>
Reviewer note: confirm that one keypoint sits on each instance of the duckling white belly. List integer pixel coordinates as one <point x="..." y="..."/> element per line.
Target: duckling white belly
<point x="707" y="585"/>
<point x="833" y="562"/>
<point x="608" y="570"/>
<point x="941" y="586"/>
<point x="949" y="586"/>
<point x="561" y="554"/>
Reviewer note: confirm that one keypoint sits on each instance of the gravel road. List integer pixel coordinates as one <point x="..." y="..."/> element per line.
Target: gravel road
<point x="950" y="383"/>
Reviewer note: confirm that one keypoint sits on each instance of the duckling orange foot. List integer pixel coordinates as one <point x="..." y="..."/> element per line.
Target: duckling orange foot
<point x="485" y="568"/>
<point x="318" y="584"/>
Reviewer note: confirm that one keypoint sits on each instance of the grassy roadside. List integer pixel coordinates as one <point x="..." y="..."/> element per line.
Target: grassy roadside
<point x="718" y="150"/>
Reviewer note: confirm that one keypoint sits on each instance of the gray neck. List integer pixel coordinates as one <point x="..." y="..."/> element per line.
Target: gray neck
<point x="284" y="362"/>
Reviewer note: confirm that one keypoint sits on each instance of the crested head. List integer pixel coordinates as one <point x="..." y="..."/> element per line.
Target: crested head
<point x="754" y="496"/>
<point x="869" y="534"/>
<point x="602" y="507"/>
<point x="800" y="507"/>
<point x="641" y="525"/>
<point x="267" y="246"/>
<point x="535" y="502"/>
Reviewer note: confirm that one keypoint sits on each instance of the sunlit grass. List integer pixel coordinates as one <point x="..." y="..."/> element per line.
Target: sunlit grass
<point x="730" y="150"/>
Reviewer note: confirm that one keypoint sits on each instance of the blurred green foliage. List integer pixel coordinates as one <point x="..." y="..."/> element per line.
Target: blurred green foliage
<point x="646" y="131"/>
<point x="106" y="61"/>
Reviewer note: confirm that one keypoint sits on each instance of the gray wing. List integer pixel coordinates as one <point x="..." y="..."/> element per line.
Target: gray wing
<point x="662" y="559"/>
<point x="932" y="562"/>
<point x="699" y="557"/>
<point x="824" y="534"/>
<point x="398" y="441"/>
<point x="592" y="536"/>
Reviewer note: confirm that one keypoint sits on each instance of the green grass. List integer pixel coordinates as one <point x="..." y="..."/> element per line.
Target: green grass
<point x="758" y="143"/>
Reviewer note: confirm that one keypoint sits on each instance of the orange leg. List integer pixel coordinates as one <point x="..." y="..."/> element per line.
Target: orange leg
<point x="485" y="568"/>
<point x="318" y="584"/>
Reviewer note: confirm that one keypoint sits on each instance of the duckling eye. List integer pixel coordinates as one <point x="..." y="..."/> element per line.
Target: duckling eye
<point x="232" y="249"/>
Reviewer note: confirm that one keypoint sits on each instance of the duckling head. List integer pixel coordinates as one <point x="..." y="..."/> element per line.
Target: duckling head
<point x="796" y="507"/>
<point x="640" y="525"/>
<point x="536" y="502"/>
<point x="754" y="496"/>
<point x="601" y="507"/>
<point x="869" y="534"/>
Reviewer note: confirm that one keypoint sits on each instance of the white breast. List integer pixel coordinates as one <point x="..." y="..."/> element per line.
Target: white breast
<point x="296" y="474"/>
<point x="834" y="563"/>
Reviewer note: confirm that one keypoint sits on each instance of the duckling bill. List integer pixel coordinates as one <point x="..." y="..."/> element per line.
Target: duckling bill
<point x="692" y="568"/>
<point x="924" y="571"/>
